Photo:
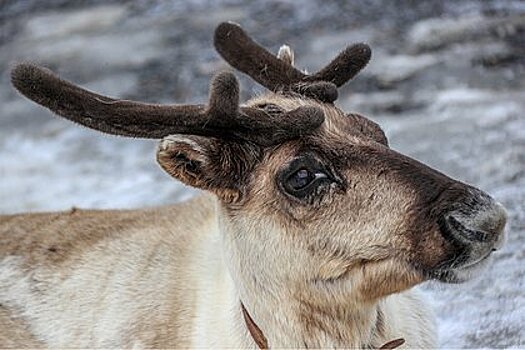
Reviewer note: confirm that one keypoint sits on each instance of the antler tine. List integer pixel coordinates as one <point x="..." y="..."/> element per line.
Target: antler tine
<point x="252" y="123"/>
<point x="224" y="96"/>
<point x="345" y="66"/>
<point x="222" y="118"/>
<point x="244" y="54"/>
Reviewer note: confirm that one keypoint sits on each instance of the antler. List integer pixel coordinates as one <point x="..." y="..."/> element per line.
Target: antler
<point x="244" y="54"/>
<point x="221" y="118"/>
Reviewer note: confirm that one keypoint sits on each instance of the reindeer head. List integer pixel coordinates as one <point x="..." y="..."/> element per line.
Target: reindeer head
<point x="311" y="199"/>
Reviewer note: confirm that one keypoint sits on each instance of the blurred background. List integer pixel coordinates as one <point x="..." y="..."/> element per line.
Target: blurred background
<point x="446" y="81"/>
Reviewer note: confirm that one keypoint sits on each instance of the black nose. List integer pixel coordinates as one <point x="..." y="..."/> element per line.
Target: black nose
<point x="484" y="226"/>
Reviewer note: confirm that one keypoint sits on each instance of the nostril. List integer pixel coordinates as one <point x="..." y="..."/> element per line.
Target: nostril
<point x="460" y="229"/>
<point x="485" y="225"/>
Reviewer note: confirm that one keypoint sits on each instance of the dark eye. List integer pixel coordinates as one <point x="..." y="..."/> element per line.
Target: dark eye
<point x="303" y="177"/>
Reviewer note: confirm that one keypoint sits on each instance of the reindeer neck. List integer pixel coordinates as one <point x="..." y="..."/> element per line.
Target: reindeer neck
<point x="286" y="315"/>
<point x="308" y="323"/>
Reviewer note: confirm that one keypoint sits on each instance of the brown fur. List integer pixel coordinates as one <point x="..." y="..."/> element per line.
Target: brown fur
<point x="53" y="244"/>
<point x="377" y="187"/>
<point x="276" y="74"/>
<point x="14" y="331"/>
<point x="221" y="118"/>
<point x="327" y="265"/>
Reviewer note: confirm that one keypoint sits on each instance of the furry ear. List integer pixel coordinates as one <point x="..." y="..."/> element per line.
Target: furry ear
<point x="286" y="54"/>
<point x="210" y="164"/>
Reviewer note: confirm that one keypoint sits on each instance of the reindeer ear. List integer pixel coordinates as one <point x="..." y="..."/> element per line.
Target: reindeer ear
<point x="207" y="163"/>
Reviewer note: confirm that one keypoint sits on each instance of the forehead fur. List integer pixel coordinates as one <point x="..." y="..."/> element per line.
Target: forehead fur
<point x="337" y="123"/>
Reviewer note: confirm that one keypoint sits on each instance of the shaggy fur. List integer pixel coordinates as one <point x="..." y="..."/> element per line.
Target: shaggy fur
<point x="327" y="264"/>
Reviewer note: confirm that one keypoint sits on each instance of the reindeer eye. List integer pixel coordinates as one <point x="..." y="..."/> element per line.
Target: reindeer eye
<point x="302" y="177"/>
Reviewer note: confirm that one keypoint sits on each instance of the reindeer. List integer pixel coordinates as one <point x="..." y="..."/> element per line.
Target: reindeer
<point x="311" y="231"/>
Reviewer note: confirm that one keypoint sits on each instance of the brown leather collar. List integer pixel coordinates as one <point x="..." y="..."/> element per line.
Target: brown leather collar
<point x="262" y="342"/>
<point x="255" y="331"/>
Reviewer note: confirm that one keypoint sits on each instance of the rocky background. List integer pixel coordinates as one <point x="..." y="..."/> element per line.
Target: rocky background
<point x="446" y="82"/>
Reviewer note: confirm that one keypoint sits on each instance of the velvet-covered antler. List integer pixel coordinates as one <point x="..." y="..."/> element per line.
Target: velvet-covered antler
<point x="222" y="117"/>
<point x="244" y="54"/>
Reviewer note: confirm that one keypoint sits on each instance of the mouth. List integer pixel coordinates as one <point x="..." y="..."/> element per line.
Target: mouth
<point x="461" y="273"/>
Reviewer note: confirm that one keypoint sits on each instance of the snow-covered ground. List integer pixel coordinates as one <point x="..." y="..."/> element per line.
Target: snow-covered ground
<point x="446" y="83"/>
